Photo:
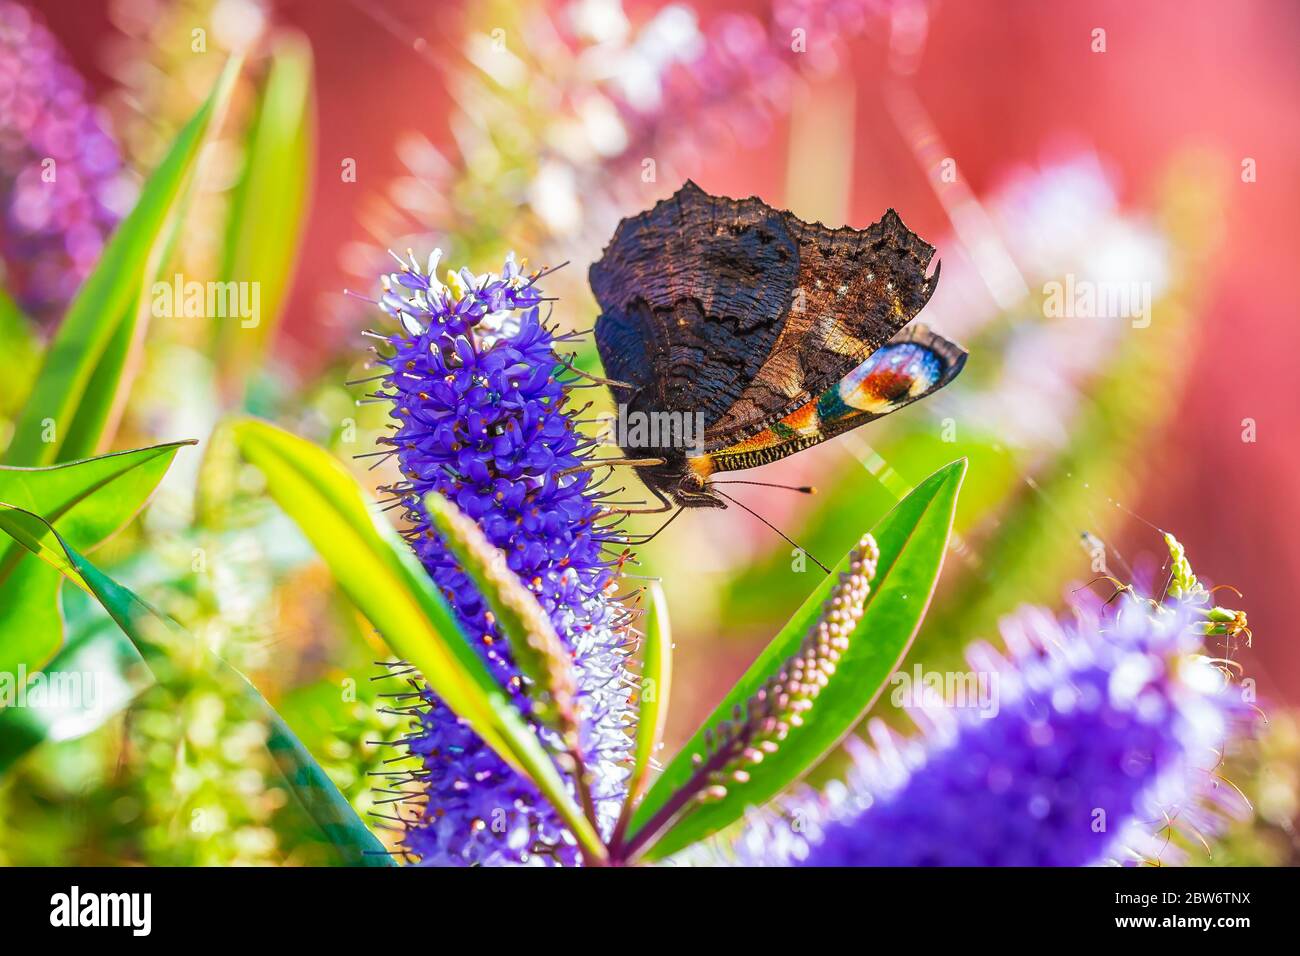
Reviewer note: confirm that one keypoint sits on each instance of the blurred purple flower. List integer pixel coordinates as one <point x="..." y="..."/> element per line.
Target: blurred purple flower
<point x="591" y="114"/>
<point x="483" y="418"/>
<point x="62" y="187"/>
<point x="679" y="83"/>
<point x="1104" y="741"/>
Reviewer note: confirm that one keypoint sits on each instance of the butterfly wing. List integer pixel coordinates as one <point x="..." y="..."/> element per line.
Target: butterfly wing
<point x="855" y="290"/>
<point x="694" y="295"/>
<point x="914" y="364"/>
<point x="763" y="323"/>
<point x="745" y="313"/>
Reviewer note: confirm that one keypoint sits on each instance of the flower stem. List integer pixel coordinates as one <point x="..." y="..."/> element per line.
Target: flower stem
<point x="622" y="852"/>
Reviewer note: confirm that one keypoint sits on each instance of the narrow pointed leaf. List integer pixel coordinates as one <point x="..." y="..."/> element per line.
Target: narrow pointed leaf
<point x="269" y="207"/>
<point x="77" y="393"/>
<point x="18" y="359"/>
<point x="912" y="540"/>
<point x="31" y="532"/>
<point x="380" y="575"/>
<point x="338" y="822"/>
<point x="534" y="645"/>
<point x="91" y="499"/>
<point x="656" y="684"/>
<point x="31" y="617"/>
<point x="88" y="502"/>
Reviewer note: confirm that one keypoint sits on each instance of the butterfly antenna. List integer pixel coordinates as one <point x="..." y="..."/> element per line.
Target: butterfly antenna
<point x="774" y="528"/>
<point x="802" y="489"/>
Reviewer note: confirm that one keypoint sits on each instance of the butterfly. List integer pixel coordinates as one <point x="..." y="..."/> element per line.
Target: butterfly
<point x="735" y="334"/>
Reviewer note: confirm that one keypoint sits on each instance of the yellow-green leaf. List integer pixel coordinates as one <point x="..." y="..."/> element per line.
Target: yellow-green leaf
<point x="78" y="392"/>
<point x="380" y="575"/>
<point x="655" y="685"/>
<point x="18" y="360"/>
<point x="269" y="207"/>
<point x="88" y="502"/>
<point x="535" y="647"/>
<point x="912" y="540"/>
<point x="144" y="625"/>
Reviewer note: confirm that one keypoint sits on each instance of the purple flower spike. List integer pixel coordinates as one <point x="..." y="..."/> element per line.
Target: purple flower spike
<point x="1097" y="745"/>
<point x="62" y="187"/>
<point x="483" y="419"/>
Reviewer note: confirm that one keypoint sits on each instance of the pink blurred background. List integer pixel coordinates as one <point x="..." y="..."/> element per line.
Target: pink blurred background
<point x="1006" y="83"/>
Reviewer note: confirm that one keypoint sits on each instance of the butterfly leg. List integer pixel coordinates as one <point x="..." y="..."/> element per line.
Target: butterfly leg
<point x="637" y="541"/>
<point x="664" y="505"/>
<point x="630" y="462"/>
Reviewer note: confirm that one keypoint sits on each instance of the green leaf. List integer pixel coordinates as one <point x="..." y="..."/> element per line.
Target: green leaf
<point x="656" y="685"/>
<point x="88" y="501"/>
<point x="97" y="647"/>
<point x="268" y="208"/>
<point x="78" y="391"/>
<point x="534" y="645"/>
<point x="912" y="540"/>
<point x="377" y="571"/>
<point x="145" y="627"/>
<point x="652" y="701"/>
<point x="31" y="620"/>
<point x="18" y="358"/>
<point x="850" y="498"/>
<point x="34" y="534"/>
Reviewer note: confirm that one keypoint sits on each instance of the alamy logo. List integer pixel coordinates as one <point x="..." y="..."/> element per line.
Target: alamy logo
<point x="134" y="910"/>
<point x="208" y="300"/>
<point x="1084" y="299"/>
<point x="51" y="690"/>
<point x="946" y="689"/>
<point x="684" y="430"/>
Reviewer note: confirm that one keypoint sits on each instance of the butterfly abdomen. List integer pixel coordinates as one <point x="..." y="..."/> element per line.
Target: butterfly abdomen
<point x="741" y="458"/>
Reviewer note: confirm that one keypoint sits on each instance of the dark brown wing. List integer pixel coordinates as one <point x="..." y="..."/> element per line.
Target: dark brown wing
<point x="855" y="290"/>
<point x="914" y="364"/>
<point x="743" y="312"/>
<point x="693" y="297"/>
